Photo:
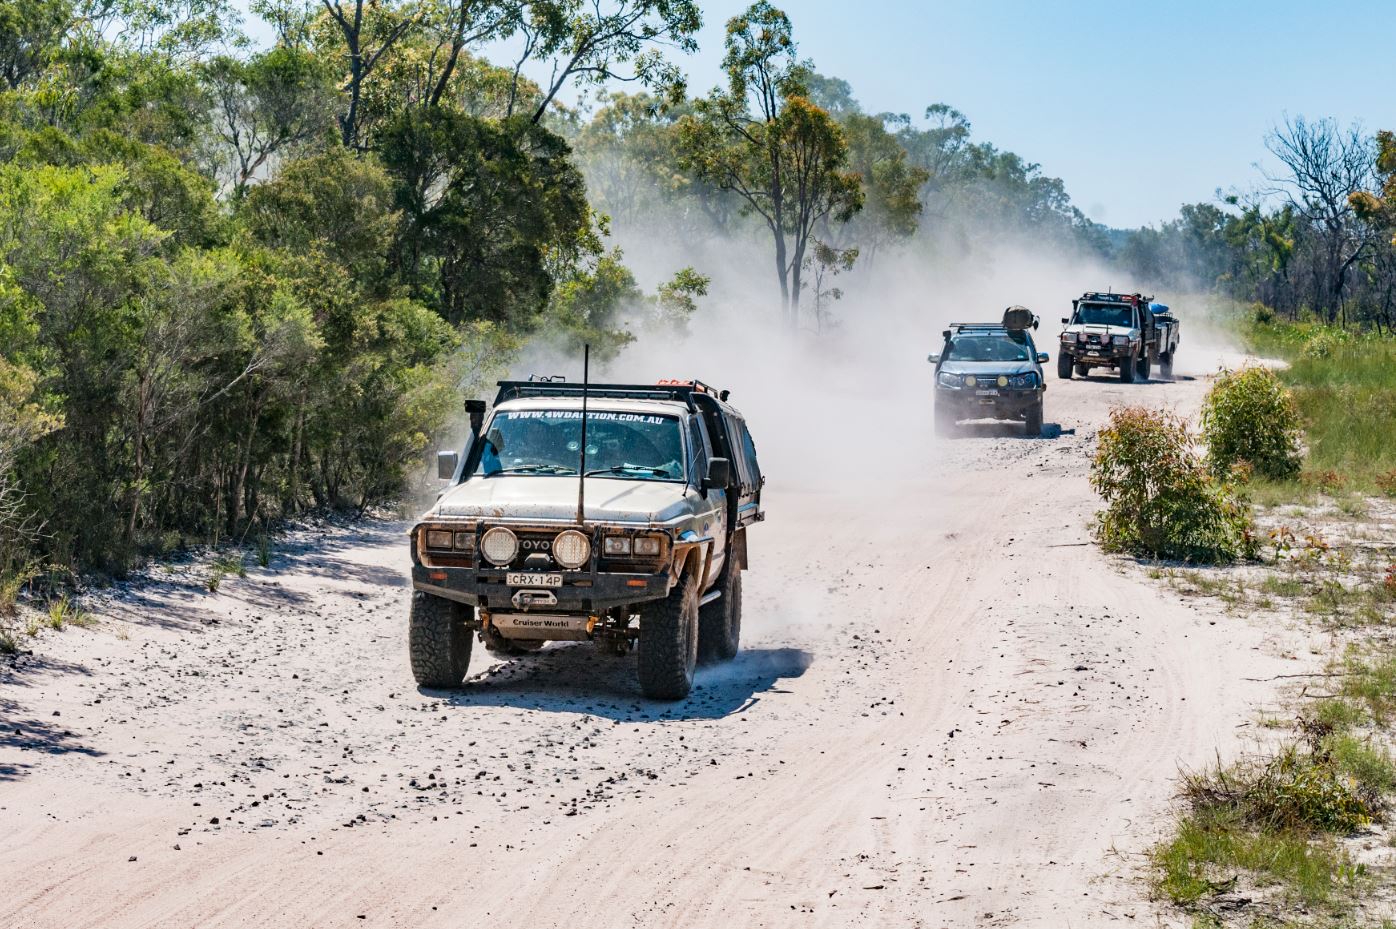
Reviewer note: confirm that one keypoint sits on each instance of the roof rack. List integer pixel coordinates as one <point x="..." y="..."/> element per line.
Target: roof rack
<point x="1112" y="297"/>
<point x="683" y="391"/>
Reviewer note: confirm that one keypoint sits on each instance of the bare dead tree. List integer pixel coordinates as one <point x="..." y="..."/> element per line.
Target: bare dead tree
<point x="1325" y="166"/>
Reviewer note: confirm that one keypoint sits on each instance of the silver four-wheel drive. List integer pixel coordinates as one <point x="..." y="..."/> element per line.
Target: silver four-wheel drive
<point x="990" y="371"/>
<point x="638" y="540"/>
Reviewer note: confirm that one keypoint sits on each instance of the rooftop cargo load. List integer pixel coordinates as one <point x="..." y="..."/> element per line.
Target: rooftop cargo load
<point x="1018" y="318"/>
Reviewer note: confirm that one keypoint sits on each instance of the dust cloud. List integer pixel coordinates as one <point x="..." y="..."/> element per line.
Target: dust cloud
<point x="848" y="407"/>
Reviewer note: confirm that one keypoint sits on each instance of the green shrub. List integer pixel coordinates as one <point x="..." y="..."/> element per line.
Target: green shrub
<point x="1300" y="790"/>
<point x="1160" y="501"/>
<point x="1322" y="343"/>
<point x="1250" y="417"/>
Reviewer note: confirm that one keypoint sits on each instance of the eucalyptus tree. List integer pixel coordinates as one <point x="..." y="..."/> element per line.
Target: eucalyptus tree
<point x="762" y="139"/>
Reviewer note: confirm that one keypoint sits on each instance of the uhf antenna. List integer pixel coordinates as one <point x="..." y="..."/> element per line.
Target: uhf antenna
<point x="582" y="466"/>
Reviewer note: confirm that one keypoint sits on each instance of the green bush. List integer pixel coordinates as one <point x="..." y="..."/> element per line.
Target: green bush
<point x="1160" y="500"/>
<point x="1300" y="790"/>
<point x="1322" y="343"/>
<point x="1250" y="418"/>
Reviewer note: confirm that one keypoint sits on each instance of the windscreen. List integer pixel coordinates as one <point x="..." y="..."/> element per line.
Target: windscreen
<point x="988" y="346"/>
<point x="635" y="446"/>
<point x="1097" y="315"/>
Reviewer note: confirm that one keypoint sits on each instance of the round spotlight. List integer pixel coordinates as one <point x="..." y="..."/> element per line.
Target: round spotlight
<point x="1003" y="381"/>
<point x="499" y="546"/>
<point x="571" y="548"/>
<point x="969" y="380"/>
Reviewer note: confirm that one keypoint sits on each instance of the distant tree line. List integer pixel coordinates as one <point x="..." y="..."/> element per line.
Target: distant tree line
<point x="1314" y="240"/>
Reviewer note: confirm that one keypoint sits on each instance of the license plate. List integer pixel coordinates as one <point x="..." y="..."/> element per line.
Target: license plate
<point x="529" y="579"/>
<point x="986" y="393"/>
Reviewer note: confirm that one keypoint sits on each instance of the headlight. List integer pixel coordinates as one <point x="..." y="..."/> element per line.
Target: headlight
<point x="1003" y="380"/>
<point x="571" y="549"/>
<point x="499" y="546"/>
<point x="1068" y="337"/>
<point x="439" y="538"/>
<point x="649" y="545"/>
<point x="1023" y="380"/>
<point x="1121" y="340"/>
<point x="949" y="380"/>
<point x="615" y="545"/>
<point x="465" y="541"/>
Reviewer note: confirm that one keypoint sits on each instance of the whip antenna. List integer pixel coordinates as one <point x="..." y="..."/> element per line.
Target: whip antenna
<point x="582" y="465"/>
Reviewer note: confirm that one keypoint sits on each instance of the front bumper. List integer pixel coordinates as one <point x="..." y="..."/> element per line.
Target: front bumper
<point x="581" y="591"/>
<point x="990" y="403"/>
<point x="1085" y="353"/>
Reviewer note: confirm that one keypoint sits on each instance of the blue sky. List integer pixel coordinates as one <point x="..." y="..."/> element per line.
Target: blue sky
<point x="1138" y="107"/>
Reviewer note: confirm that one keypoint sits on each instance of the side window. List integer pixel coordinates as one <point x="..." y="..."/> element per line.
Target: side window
<point x="698" y="453"/>
<point x="749" y="453"/>
<point x="736" y="434"/>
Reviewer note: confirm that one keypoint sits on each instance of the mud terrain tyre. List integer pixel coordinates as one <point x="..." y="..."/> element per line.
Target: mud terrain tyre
<point x="668" y="650"/>
<point x="1128" y="370"/>
<point x="945" y="420"/>
<point x="438" y="641"/>
<point x="1083" y="370"/>
<point x="1143" y="366"/>
<point x="1033" y="426"/>
<point x="1064" y="366"/>
<point x="1165" y="367"/>
<point x="720" y="622"/>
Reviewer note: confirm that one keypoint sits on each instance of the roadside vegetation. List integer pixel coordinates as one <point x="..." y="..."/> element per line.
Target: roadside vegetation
<point x="1160" y="500"/>
<point x="1344" y="386"/>
<point x="1285" y="834"/>
<point x="1295" y="833"/>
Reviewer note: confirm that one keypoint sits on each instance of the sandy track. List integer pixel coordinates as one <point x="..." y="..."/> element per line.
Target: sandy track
<point x="949" y="711"/>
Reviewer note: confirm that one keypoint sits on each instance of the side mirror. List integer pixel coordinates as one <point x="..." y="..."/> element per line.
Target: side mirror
<point x="1042" y="358"/>
<point x="1065" y="321"/>
<point x="933" y="359"/>
<point x="446" y="463"/>
<point x="719" y="474"/>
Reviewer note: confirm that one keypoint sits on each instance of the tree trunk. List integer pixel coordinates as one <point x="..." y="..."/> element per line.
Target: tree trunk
<point x="293" y="490"/>
<point x="235" y="496"/>
<point x="138" y="468"/>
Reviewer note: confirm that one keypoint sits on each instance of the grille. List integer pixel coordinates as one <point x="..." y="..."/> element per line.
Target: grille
<point x="534" y="542"/>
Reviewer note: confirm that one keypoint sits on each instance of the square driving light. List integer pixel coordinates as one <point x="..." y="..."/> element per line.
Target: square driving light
<point x="615" y="545"/>
<point x="647" y="545"/>
<point x="439" y="538"/>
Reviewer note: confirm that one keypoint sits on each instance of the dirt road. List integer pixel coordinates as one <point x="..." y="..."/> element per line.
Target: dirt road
<point x="950" y="710"/>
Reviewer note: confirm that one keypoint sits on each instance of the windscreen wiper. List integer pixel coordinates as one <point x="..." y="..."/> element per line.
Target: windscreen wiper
<point x="622" y="468"/>
<point x="537" y="469"/>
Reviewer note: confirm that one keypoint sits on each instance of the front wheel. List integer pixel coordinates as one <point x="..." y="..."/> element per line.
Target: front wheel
<point x="438" y="642"/>
<point x="669" y="642"/>
<point x="1064" y="366"/>
<point x="1033" y="426"/>
<point x="720" y="622"/>
<point x="1128" y="370"/>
